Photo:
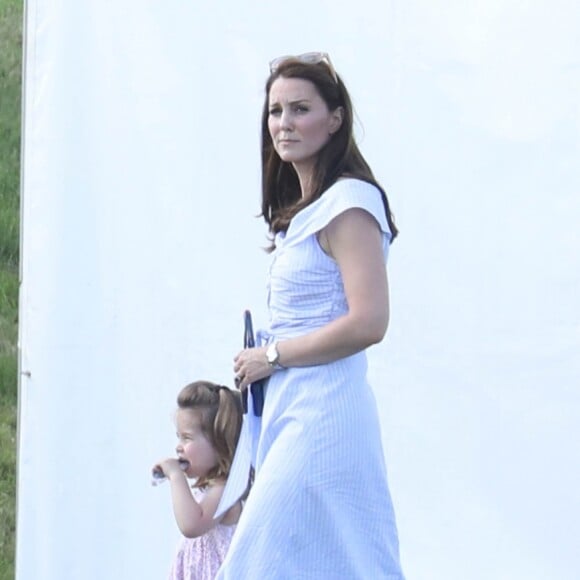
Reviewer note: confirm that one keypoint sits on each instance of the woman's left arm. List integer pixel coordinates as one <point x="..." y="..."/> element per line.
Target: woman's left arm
<point x="354" y="240"/>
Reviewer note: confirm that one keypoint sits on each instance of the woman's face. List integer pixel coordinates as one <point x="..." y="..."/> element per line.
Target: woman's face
<point x="299" y="121"/>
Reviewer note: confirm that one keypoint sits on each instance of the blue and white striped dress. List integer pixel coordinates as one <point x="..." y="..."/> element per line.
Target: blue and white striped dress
<point x="320" y="507"/>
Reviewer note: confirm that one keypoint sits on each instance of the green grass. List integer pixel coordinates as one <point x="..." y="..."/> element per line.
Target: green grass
<point x="10" y="90"/>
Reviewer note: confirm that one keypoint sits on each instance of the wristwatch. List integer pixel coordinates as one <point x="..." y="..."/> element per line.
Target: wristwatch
<point x="272" y="356"/>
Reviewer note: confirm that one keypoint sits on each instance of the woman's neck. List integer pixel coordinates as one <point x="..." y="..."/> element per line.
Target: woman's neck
<point x="305" y="173"/>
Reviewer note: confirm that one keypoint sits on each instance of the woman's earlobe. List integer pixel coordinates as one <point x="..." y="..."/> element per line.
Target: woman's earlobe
<point x="338" y="115"/>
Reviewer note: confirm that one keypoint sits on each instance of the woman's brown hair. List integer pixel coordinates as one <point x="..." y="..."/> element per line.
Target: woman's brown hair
<point x="221" y="422"/>
<point x="340" y="157"/>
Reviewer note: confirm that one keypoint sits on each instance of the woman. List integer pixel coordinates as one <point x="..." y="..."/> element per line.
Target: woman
<point x="320" y="506"/>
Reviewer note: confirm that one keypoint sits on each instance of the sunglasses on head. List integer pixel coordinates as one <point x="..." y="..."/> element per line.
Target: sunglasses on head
<point x="306" y="58"/>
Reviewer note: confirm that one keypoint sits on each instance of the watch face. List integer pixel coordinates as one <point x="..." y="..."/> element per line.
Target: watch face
<point x="272" y="354"/>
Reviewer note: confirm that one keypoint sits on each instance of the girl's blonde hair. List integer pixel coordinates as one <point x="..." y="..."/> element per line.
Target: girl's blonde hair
<point x="221" y="422"/>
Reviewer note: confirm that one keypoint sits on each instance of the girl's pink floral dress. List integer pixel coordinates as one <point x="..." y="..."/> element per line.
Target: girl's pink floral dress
<point x="200" y="558"/>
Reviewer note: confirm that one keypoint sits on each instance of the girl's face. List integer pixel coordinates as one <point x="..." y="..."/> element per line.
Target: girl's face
<point x="193" y="445"/>
<point x="299" y="121"/>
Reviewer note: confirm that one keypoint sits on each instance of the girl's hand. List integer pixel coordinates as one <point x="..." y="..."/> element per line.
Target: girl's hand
<point x="169" y="467"/>
<point x="251" y="365"/>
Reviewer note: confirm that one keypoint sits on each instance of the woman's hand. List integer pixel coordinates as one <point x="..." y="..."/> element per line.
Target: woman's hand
<point x="251" y="365"/>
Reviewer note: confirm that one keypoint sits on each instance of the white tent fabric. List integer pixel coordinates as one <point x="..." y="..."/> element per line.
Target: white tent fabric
<point x="140" y="252"/>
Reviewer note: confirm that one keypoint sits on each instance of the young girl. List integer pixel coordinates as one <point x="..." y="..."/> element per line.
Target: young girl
<point x="208" y="422"/>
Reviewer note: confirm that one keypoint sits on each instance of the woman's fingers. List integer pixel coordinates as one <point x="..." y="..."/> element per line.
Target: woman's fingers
<point x="250" y="365"/>
<point x="239" y="370"/>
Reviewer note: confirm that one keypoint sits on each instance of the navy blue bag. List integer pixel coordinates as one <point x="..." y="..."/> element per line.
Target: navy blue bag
<point x="257" y="388"/>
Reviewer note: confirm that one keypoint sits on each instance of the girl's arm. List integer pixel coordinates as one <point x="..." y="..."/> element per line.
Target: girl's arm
<point x="193" y="519"/>
<point x="354" y="240"/>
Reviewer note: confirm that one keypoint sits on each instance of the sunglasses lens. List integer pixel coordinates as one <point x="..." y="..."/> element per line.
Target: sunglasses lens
<point x="312" y="57"/>
<point x="274" y="64"/>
